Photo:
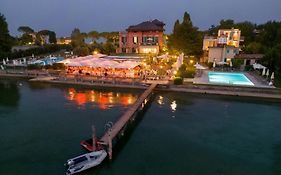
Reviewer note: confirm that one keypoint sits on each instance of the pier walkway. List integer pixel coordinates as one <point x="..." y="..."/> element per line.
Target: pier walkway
<point x="117" y="127"/>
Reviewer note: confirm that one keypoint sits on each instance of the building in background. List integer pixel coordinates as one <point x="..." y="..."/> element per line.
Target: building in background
<point x="222" y="53"/>
<point x="223" y="47"/>
<point x="146" y="37"/>
<point x="64" y="40"/>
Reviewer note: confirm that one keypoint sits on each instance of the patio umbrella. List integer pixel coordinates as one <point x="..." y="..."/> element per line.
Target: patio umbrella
<point x="267" y="72"/>
<point x="179" y="61"/>
<point x="199" y="66"/>
<point x="4" y="62"/>
<point x="230" y="63"/>
<point x="263" y="72"/>
<point x="7" y="59"/>
<point x="214" y="64"/>
<point x="272" y="76"/>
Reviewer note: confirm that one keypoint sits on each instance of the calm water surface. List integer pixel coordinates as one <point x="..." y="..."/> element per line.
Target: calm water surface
<point x="42" y="125"/>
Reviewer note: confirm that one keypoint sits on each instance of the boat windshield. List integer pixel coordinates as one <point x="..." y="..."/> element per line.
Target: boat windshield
<point x="94" y="157"/>
<point x="80" y="159"/>
<point x="78" y="168"/>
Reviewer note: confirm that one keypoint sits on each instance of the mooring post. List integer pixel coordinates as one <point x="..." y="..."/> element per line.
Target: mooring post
<point x="109" y="145"/>
<point x="94" y="137"/>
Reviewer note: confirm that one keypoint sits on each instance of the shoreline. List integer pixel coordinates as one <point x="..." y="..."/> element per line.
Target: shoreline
<point x="255" y="92"/>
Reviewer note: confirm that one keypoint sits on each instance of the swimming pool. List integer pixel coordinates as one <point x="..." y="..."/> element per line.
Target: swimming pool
<point x="48" y="60"/>
<point x="229" y="78"/>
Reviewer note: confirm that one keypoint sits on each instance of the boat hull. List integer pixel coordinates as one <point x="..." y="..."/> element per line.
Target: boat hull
<point x="85" y="161"/>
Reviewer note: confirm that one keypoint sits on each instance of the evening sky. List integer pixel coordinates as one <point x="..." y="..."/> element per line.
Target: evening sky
<point x="62" y="16"/>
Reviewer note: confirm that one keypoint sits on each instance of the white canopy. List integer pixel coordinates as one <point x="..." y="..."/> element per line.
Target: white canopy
<point x="98" y="55"/>
<point x="86" y="63"/>
<point x="221" y="63"/>
<point x="258" y="66"/>
<point x="92" y="61"/>
<point x="179" y="61"/>
<point x="106" y="64"/>
<point x="75" y="64"/>
<point x="128" y="64"/>
<point x="199" y="66"/>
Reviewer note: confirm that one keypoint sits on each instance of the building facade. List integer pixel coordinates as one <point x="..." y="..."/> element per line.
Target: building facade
<point x="222" y="53"/>
<point x="223" y="47"/>
<point x="146" y="37"/>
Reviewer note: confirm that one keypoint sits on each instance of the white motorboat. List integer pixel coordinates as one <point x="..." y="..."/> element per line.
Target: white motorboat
<point x="85" y="161"/>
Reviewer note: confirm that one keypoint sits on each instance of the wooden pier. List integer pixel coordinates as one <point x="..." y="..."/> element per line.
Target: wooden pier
<point x="123" y="120"/>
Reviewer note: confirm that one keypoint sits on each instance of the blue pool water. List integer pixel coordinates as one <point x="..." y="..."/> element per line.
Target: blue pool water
<point x="229" y="78"/>
<point x="48" y="60"/>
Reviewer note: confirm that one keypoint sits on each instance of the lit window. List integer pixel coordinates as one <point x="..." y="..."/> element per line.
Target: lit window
<point x="135" y="39"/>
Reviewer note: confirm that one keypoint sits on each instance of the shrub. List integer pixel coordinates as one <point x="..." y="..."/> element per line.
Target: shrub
<point x="249" y="68"/>
<point x="237" y="63"/>
<point x="34" y="67"/>
<point x="186" y="71"/>
<point x="58" y="66"/>
<point x="210" y="65"/>
<point x="48" y="66"/>
<point x="178" y="81"/>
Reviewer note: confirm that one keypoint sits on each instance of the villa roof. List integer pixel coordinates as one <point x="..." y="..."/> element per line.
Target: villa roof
<point x="154" y="25"/>
<point x="249" y="56"/>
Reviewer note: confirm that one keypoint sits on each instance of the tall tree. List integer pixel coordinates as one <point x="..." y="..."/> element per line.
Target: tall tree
<point x="27" y="35"/>
<point x="271" y="33"/>
<point x="52" y="37"/>
<point x="25" y="29"/>
<point x="94" y="35"/>
<point x="5" y="38"/>
<point x="50" y="34"/>
<point x="185" y="38"/>
<point x="77" y="38"/>
<point x="247" y="30"/>
<point x="226" y="24"/>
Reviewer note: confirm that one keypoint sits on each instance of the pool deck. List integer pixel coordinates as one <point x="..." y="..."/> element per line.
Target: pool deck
<point x="204" y="79"/>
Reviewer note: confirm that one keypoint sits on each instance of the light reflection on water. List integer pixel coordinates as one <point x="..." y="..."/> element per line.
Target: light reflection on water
<point x="160" y="100"/>
<point x="104" y="100"/>
<point x="174" y="106"/>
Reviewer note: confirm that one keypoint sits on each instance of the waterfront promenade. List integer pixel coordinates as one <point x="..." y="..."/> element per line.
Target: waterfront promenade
<point x="257" y="92"/>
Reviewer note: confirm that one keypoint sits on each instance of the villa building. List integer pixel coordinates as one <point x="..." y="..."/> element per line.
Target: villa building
<point x="64" y="40"/>
<point x="222" y="53"/>
<point x="146" y="37"/>
<point x="223" y="47"/>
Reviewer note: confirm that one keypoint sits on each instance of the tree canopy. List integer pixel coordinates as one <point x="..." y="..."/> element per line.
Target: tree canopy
<point x="185" y="38"/>
<point x="25" y="29"/>
<point x="5" y="38"/>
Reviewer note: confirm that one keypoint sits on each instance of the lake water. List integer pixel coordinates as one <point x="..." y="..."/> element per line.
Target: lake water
<point x="42" y="125"/>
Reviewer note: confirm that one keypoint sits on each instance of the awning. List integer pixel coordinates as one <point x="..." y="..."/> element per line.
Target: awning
<point x="199" y="66"/>
<point x="258" y="66"/>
